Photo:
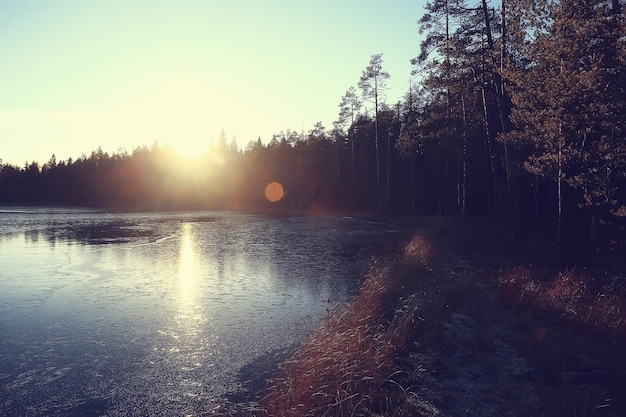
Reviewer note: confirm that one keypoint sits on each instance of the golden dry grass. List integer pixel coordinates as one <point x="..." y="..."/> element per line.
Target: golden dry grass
<point x="592" y="299"/>
<point x="348" y="365"/>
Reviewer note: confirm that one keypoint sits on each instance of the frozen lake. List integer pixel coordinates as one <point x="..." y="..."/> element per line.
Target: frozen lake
<point x="156" y="314"/>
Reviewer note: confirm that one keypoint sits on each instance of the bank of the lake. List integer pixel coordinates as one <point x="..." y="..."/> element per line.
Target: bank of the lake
<point x="459" y="323"/>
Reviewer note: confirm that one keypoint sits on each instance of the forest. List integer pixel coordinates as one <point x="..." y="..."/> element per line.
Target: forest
<point x="516" y="111"/>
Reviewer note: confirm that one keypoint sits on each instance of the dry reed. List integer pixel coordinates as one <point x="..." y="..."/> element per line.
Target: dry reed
<point x="348" y="365"/>
<point x="587" y="297"/>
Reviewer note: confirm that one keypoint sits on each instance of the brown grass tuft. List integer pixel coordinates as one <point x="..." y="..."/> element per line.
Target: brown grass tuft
<point x="591" y="299"/>
<point x="348" y="365"/>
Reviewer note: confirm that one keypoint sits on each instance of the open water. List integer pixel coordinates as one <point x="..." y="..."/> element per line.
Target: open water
<point x="156" y="314"/>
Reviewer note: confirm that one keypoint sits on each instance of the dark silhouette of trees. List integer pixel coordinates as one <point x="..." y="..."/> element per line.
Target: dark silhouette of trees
<point x="349" y="108"/>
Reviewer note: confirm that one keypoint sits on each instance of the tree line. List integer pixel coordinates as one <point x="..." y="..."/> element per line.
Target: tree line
<point x="515" y="110"/>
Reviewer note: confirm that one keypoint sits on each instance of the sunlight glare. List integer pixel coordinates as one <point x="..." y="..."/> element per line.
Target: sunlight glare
<point x="216" y="157"/>
<point x="189" y="150"/>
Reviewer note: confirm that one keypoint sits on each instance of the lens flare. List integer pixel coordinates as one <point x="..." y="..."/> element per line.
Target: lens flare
<point x="274" y="192"/>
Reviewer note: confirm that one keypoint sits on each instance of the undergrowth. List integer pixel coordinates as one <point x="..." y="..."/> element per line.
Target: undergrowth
<point x="590" y="299"/>
<point x="353" y="364"/>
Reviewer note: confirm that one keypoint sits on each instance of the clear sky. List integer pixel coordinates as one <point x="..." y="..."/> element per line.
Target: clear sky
<point x="75" y="75"/>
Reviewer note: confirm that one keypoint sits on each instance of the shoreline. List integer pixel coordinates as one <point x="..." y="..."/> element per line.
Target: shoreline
<point x="457" y="292"/>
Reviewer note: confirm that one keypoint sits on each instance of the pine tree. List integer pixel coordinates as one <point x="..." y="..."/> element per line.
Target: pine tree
<point x="569" y="97"/>
<point x="373" y="85"/>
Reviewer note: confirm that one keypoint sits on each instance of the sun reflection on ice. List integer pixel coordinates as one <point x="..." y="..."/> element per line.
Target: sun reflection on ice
<point x="188" y="267"/>
<point x="189" y="284"/>
<point x="189" y="319"/>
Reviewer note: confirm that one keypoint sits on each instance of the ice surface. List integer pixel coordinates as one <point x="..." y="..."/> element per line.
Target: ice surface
<point x="118" y="313"/>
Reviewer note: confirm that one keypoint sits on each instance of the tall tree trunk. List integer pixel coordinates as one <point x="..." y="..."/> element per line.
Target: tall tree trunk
<point x="503" y="101"/>
<point x="388" y="167"/>
<point x="378" y="199"/>
<point x="559" y="181"/>
<point x="487" y="24"/>
<point x="352" y="146"/>
<point x="490" y="152"/>
<point x="376" y="132"/>
<point x="413" y="176"/>
<point x="504" y="35"/>
<point x="498" y="87"/>
<point x="338" y="156"/>
<point x="536" y="196"/>
<point x="447" y="67"/>
<point x="464" y="161"/>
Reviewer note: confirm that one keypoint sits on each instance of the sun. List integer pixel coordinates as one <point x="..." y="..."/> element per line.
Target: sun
<point x="194" y="162"/>
<point x="191" y="152"/>
<point x="189" y="149"/>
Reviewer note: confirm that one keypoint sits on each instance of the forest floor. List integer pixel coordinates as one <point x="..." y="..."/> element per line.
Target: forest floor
<point x="459" y="324"/>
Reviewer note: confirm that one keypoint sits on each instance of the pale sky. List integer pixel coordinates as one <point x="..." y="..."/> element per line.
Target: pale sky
<point x="78" y="74"/>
